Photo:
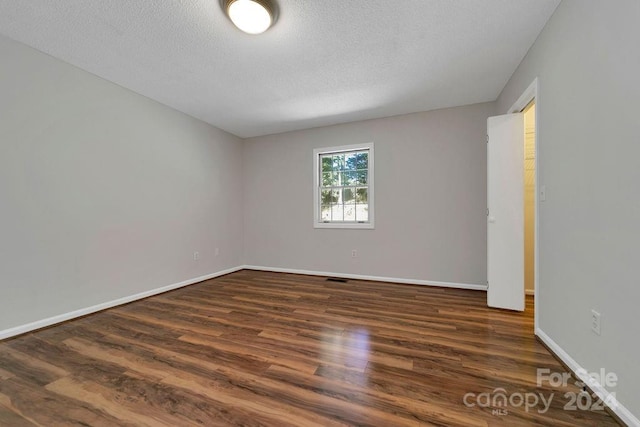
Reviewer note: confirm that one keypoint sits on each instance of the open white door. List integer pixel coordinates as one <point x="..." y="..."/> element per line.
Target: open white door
<point x="505" y="215"/>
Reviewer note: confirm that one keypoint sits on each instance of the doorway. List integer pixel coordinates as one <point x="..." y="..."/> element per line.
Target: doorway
<point x="529" y="196"/>
<point x="529" y="99"/>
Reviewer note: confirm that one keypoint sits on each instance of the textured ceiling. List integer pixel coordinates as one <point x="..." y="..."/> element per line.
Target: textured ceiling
<point x="324" y="62"/>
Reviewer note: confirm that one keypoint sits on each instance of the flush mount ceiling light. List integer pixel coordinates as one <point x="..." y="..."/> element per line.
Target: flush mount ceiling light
<point x="251" y="16"/>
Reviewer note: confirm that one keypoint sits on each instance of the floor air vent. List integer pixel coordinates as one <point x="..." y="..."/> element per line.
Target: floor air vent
<point x="337" y="279"/>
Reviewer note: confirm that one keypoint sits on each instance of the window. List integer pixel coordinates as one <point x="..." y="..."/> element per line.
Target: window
<point x="343" y="186"/>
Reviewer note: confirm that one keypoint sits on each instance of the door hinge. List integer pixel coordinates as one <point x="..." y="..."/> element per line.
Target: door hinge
<point x="487" y="212"/>
<point x="487" y="139"/>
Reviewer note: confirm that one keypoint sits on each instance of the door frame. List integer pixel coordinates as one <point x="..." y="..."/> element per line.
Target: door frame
<point x="530" y="94"/>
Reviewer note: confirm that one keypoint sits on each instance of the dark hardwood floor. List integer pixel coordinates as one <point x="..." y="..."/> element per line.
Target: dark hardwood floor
<point x="254" y="348"/>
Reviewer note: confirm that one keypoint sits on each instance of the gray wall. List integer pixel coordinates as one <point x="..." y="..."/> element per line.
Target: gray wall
<point x="588" y="65"/>
<point x="104" y="193"/>
<point x="430" y="196"/>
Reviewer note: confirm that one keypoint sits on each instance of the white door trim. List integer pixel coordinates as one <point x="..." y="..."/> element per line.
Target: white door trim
<point x="527" y="96"/>
<point x="531" y="93"/>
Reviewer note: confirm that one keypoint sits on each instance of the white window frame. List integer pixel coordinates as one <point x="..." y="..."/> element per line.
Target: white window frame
<point x="317" y="222"/>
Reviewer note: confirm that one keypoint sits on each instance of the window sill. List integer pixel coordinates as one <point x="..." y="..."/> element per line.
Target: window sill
<point x="347" y="225"/>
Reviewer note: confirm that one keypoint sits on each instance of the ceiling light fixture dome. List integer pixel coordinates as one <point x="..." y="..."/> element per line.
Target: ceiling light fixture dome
<point x="251" y="16"/>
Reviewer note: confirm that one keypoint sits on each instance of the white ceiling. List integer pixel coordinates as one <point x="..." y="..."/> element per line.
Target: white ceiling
<point x="324" y="62"/>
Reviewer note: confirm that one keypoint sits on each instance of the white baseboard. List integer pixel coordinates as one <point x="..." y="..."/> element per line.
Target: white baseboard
<point x="372" y="278"/>
<point x="11" y="332"/>
<point x="623" y="413"/>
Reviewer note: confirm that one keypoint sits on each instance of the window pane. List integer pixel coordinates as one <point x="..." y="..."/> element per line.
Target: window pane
<point x="338" y="162"/>
<point x="326" y="163"/>
<point x="346" y="178"/>
<point x="328" y="197"/>
<point x="362" y="196"/>
<point x="350" y="161"/>
<point x="327" y="180"/>
<point x="362" y="160"/>
<point x="337" y="212"/>
<point x="349" y="178"/>
<point x="362" y="212"/>
<point x="348" y="195"/>
<point x="335" y="196"/>
<point x="350" y="212"/>
<point x="331" y="179"/>
<point x="325" y="213"/>
<point x="362" y="177"/>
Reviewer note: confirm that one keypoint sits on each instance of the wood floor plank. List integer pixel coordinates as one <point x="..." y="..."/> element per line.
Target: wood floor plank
<point x="9" y="417"/>
<point x="46" y="408"/>
<point x="270" y="349"/>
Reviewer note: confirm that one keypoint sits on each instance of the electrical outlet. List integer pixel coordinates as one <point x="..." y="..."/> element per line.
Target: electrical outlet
<point x="216" y="252"/>
<point x="595" y="322"/>
<point x="196" y="256"/>
<point x="354" y="253"/>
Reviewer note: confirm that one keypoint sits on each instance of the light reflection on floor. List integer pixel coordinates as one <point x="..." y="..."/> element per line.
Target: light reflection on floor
<point x="349" y="349"/>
